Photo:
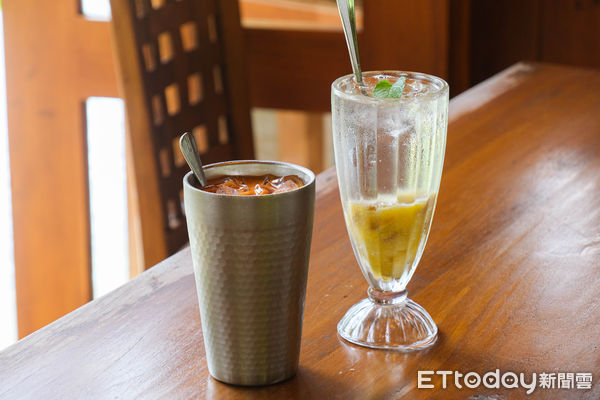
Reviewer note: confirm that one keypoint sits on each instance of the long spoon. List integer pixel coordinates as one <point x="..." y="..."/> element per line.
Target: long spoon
<point x="188" y="146"/>
<point x="347" y="14"/>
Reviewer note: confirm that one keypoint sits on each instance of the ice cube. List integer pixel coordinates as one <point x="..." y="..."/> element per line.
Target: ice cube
<point x="286" y="186"/>
<point x="226" y="189"/>
<point x="258" y="189"/>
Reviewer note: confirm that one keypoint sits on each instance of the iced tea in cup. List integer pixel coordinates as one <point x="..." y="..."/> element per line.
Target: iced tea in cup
<point x="250" y="253"/>
<point x="389" y="154"/>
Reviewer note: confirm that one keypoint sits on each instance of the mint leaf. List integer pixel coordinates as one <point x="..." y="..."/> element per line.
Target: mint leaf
<point x="384" y="89"/>
<point x="397" y="88"/>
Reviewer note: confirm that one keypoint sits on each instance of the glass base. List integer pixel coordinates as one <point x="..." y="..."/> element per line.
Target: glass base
<point x="388" y="321"/>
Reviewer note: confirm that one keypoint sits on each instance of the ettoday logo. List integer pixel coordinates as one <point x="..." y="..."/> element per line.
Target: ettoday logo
<point x="508" y="380"/>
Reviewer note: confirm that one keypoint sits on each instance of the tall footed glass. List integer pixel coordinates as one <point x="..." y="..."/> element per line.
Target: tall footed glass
<point x="389" y="155"/>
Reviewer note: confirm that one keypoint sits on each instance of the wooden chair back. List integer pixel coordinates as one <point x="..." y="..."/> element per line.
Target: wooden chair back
<point x="180" y="68"/>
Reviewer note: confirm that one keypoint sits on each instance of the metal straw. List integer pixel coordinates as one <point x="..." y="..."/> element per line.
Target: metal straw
<point x="347" y="14"/>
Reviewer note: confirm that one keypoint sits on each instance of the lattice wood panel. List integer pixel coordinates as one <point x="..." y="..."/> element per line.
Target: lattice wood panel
<point x="182" y="54"/>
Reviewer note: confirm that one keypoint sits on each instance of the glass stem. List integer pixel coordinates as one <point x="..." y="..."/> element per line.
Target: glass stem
<point x="386" y="298"/>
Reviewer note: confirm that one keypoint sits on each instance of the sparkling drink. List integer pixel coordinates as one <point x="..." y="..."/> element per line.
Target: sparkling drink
<point x="389" y="155"/>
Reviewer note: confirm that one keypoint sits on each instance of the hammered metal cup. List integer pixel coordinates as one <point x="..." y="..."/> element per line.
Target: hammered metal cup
<point x="250" y="256"/>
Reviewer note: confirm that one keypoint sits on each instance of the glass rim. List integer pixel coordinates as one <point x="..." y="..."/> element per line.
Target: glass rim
<point x="358" y="97"/>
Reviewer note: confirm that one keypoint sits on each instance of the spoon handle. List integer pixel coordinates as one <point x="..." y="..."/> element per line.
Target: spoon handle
<point x="188" y="146"/>
<point x="346" y="9"/>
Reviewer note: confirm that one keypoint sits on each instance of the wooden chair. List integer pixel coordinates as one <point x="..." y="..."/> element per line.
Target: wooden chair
<point x="180" y="68"/>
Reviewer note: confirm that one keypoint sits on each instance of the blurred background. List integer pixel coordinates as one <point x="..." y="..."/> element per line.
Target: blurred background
<point x="69" y="220"/>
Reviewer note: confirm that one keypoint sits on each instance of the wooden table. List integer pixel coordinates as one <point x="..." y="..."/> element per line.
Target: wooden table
<point x="511" y="275"/>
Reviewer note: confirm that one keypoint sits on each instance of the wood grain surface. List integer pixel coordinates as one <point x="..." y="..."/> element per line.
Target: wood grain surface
<point x="307" y="60"/>
<point x="55" y="61"/>
<point x="511" y="275"/>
